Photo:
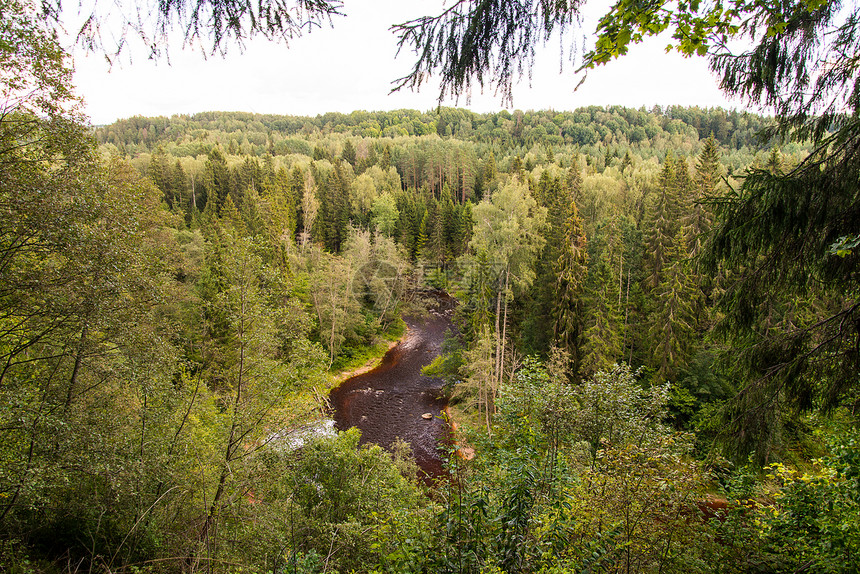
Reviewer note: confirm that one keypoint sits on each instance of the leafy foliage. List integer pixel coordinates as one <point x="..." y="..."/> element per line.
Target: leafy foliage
<point x="155" y="358"/>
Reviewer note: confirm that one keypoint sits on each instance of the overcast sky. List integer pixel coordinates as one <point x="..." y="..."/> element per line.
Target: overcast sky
<point x="351" y="67"/>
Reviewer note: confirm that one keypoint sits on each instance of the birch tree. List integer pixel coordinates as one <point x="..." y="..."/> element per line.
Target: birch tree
<point x="507" y="232"/>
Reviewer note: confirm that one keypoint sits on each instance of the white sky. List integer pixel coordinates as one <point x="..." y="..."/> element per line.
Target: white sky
<point x="351" y="67"/>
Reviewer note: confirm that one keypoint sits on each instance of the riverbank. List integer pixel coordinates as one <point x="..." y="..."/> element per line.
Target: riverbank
<point x="375" y="355"/>
<point x="368" y="357"/>
<point x="395" y="401"/>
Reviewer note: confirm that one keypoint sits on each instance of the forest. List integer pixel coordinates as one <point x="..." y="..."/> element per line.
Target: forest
<point x="653" y="367"/>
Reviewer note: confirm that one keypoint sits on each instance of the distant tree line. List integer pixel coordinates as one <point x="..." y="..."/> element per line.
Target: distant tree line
<point x="258" y="134"/>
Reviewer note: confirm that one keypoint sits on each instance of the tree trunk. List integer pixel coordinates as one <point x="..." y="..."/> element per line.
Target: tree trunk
<point x="233" y="438"/>
<point x="73" y="380"/>
<point x="497" y="367"/>
<point x="504" y="335"/>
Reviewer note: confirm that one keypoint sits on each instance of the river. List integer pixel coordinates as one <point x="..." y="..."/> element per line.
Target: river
<point x="391" y="401"/>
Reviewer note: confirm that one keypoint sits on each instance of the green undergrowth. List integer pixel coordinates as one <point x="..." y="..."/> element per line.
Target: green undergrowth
<point x="355" y="357"/>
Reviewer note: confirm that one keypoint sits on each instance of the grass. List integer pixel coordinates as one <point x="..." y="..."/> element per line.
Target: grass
<point x="356" y="358"/>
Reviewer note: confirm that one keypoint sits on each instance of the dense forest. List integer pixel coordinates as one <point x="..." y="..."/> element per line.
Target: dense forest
<point x="653" y="369"/>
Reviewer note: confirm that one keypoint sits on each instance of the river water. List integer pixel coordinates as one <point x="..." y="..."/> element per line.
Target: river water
<point x="390" y="401"/>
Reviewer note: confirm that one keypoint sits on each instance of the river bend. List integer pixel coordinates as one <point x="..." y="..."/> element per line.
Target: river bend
<point x="391" y="400"/>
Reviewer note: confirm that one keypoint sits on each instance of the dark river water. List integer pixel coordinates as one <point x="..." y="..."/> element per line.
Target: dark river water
<point x="389" y="402"/>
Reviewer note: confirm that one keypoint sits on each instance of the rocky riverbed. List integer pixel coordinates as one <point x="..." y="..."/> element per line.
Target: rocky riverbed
<point x="395" y="400"/>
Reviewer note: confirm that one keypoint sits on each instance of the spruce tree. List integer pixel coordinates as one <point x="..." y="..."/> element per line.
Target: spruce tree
<point x="160" y="174"/>
<point x="216" y="179"/>
<point x="450" y="230"/>
<point x="672" y="320"/>
<point x="517" y="169"/>
<point x="490" y="171"/>
<point x="348" y="153"/>
<point x="537" y="332"/>
<point x="571" y="270"/>
<point x="601" y="345"/>
<point x="385" y="160"/>
<point x="433" y="248"/>
<point x="699" y="218"/>
<point x="335" y="210"/>
<point x="662" y="224"/>
<point x="421" y="237"/>
<point x="573" y="181"/>
<point x="231" y="219"/>
<point x="296" y="190"/>
<point x="179" y="183"/>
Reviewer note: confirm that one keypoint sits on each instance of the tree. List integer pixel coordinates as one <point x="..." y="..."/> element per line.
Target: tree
<point x="362" y="197"/>
<point x="615" y="409"/>
<point x="80" y="339"/>
<point x="778" y="231"/>
<point x="80" y="271"/>
<point x="34" y="75"/>
<point x="781" y="232"/>
<point x="252" y="377"/>
<point x="334" y="209"/>
<point x="179" y="186"/>
<point x="663" y="221"/>
<point x="672" y="321"/>
<point x="571" y="269"/>
<point x="560" y="270"/>
<point x="348" y="153"/>
<point x="385" y="214"/>
<point x="604" y="324"/>
<point x="216" y="180"/>
<point x="310" y="207"/>
<point x="699" y="218"/>
<point x="798" y="48"/>
<point x="334" y="299"/>
<point x="507" y="233"/>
